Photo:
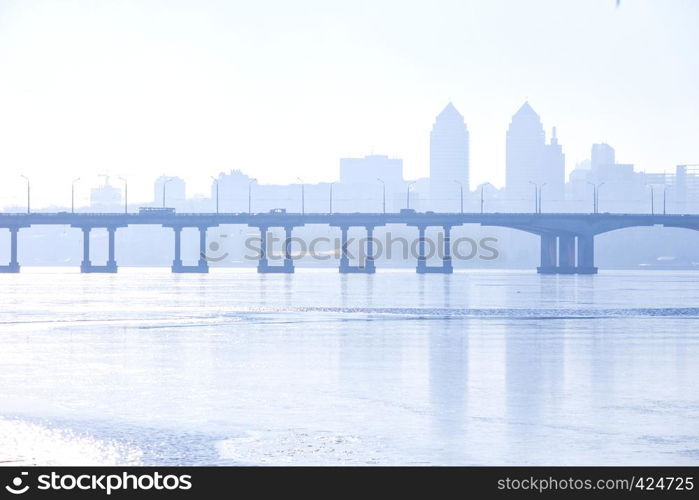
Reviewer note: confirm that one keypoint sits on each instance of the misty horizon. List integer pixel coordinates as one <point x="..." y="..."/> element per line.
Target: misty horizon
<point x="116" y="93"/>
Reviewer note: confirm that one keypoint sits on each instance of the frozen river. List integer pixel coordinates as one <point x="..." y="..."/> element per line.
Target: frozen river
<point x="233" y="367"/>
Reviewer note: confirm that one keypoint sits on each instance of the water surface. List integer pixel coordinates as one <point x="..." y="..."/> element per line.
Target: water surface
<point x="233" y="367"/>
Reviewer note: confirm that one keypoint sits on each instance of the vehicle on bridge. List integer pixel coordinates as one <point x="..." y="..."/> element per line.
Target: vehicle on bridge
<point x="278" y="211"/>
<point x="155" y="210"/>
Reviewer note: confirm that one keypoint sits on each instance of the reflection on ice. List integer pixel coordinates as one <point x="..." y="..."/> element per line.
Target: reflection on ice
<point x="315" y="368"/>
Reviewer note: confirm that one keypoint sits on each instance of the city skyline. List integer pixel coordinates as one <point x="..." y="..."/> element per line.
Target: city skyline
<point x="289" y="106"/>
<point x="535" y="170"/>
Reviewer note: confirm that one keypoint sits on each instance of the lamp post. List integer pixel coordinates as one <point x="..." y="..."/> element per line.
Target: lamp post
<point x="72" y="194"/>
<point x="250" y="195"/>
<point x="28" y="193"/>
<point x="482" y="195"/>
<point x="407" y="194"/>
<point x="536" y="196"/>
<point x="383" y="184"/>
<point x="595" y="195"/>
<point x="331" y="198"/>
<point x="216" y="181"/>
<point x="664" y="198"/>
<point x="303" y="196"/>
<point x="165" y="184"/>
<point x="126" y="194"/>
<point x="540" y="188"/>
<point x="461" y="196"/>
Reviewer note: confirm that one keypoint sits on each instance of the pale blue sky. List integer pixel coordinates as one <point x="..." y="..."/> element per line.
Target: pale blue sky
<point x="284" y="89"/>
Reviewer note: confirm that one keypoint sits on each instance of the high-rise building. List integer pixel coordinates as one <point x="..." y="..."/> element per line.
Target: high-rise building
<point x="602" y="156"/>
<point x="233" y="190"/>
<point x="524" y="147"/>
<point x="531" y="163"/>
<point x="553" y="175"/>
<point x="449" y="160"/>
<point x="169" y="191"/>
<point x="105" y="196"/>
<point x="361" y="190"/>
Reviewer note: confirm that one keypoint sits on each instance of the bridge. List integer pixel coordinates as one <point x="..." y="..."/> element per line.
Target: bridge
<point x="567" y="239"/>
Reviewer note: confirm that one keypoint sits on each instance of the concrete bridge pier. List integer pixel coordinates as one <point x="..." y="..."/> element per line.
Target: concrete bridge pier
<point x="564" y="246"/>
<point x="288" y="262"/>
<point x="421" y="259"/>
<point x="86" y="265"/>
<point x="566" y="254"/>
<point x="111" y="261"/>
<point x="369" y="266"/>
<point x="13" y="266"/>
<point x="586" y="254"/>
<point x="422" y="267"/>
<point x="447" y="267"/>
<point x="202" y="265"/>
<point x="263" y="264"/>
<point x="549" y="263"/>
<point x="177" y="262"/>
<point x="344" y="260"/>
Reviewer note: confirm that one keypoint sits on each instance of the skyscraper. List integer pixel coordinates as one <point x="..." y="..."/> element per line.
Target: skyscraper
<point x="449" y="148"/>
<point x="530" y="160"/>
<point x="602" y="156"/>
<point x="554" y="174"/>
<point x="524" y="153"/>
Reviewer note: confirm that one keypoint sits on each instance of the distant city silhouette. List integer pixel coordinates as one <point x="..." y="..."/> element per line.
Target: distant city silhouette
<point x="375" y="185"/>
<point x="534" y="177"/>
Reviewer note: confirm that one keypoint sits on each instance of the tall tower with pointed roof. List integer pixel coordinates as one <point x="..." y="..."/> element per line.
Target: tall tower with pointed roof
<point x="524" y="155"/>
<point x="449" y="162"/>
<point x="530" y="160"/>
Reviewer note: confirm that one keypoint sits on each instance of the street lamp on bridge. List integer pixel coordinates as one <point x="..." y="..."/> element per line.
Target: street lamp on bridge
<point x="482" y="197"/>
<point x="72" y="194"/>
<point x="540" y="188"/>
<point x="595" y="195"/>
<point x="126" y="194"/>
<point x="165" y="184"/>
<point x="537" y="196"/>
<point x="303" y="196"/>
<point x="383" y="184"/>
<point x="461" y="195"/>
<point x="28" y="193"/>
<point x="250" y="195"/>
<point x="331" y="198"/>
<point x="216" y="181"/>
<point x="407" y="195"/>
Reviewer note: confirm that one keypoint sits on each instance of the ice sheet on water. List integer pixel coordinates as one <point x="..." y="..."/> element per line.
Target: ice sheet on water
<point x="302" y="447"/>
<point x="25" y="443"/>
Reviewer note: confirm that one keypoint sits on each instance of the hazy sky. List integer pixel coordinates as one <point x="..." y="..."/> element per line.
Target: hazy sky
<point x="284" y="89"/>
